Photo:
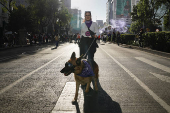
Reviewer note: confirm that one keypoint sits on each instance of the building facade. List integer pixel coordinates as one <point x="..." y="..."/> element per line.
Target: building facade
<point x="109" y="11"/>
<point x="119" y="10"/>
<point x="75" y="20"/>
<point x="100" y="23"/>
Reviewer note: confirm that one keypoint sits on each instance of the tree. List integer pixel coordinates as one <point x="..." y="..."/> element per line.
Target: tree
<point x="166" y="22"/>
<point x="21" y="18"/>
<point x="8" y="5"/>
<point x="149" y="12"/>
<point x="135" y="27"/>
<point x="64" y="16"/>
<point x="44" y="11"/>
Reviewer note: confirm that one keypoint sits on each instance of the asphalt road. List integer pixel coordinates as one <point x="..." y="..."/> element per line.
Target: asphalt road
<point x="130" y="81"/>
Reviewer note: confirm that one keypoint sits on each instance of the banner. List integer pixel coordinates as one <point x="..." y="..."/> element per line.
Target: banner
<point x="123" y="9"/>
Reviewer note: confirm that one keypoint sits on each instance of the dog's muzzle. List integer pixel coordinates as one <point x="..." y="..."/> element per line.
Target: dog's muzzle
<point x="68" y="69"/>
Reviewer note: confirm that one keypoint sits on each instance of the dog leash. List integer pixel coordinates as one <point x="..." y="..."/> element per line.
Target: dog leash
<point x="88" y="48"/>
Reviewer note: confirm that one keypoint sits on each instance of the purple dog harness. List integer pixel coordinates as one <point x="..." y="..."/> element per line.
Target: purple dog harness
<point x="87" y="70"/>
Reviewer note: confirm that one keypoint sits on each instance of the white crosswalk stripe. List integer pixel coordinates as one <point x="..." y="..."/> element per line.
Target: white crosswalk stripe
<point x="159" y="100"/>
<point x="64" y="104"/>
<point x="161" y="77"/>
<point x="154" y="64"/>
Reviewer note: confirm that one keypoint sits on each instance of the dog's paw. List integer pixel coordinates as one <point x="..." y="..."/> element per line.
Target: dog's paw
<point x="74" y="102"/>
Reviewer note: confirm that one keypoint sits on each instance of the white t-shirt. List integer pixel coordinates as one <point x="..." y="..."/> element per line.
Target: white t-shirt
<point x="85" y="32"/>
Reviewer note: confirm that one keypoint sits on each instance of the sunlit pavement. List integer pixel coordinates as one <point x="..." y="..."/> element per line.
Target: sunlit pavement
<point x="130" y="81"/>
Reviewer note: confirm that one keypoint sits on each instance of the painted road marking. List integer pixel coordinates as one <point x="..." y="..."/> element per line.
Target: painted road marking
<point x="24" y="77"/>
<point x="162" y="77"/>
<point x="64" y="104"/>
<point x="154" y="64"/>
<point x="159" y="100"/>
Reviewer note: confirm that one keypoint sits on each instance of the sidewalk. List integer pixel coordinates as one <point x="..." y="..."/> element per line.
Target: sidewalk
<point x="18" y="46"/>
<point x="15" y="46"/>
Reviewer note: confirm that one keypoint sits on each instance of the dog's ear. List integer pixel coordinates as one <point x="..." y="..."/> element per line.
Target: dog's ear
<point x="73" y="56"/>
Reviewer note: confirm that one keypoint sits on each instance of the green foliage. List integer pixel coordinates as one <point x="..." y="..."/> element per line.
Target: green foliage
<point x="8" y="5"/>
<point x="157" y="40"/>
<point x="21" y="18"/>
<point x="134" y="13"/>
<point x="135" y="27"/>
<point x="166" y="22"/>
<point x="47" y="13"/>
<point x="64" y="17"/>
<point x="149" y="13"/>
<point x="127" y="38"/>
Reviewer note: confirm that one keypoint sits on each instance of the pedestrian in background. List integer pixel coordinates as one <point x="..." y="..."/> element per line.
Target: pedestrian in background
<point x="78" y="38"/>
<point x="109" y="36"/>
<point x="140" y="38"/>
<point x="114" y="37"/>
<point x="56" y="40"/>
<point x="75" y="38"/>
<point x="104" y="37"/>
<point x="118" y="38"/>
<point x="98" y="38"/>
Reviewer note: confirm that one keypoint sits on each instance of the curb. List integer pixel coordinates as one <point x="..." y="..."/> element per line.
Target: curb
<point x="160" y="53"/>
<point x="1" y="49"/>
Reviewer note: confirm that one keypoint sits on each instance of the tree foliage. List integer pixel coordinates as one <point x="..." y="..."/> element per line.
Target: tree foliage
<point x="21" y="18"/>
<point x="149" y="12"/>
<point x="166" y="22"/>
<point x="47" y="12"/>
<point x="39" y="14"/>
<point x="8" y="5"/>
<point x="64" y="17"/>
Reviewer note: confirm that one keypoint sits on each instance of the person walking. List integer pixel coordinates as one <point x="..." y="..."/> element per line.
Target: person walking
<point x="78" y="38"/>
<point x="56" y="40"/>
<point x="140" y="37"/>
<point x="98" y="39"/>
<point x="89" y="33"/>
<point x="114" y="37"/>
<point x="104" y="37"/>
<point x="118" y="38"/>
<point x="75" y="38"/>
<point x="109" y="37"/>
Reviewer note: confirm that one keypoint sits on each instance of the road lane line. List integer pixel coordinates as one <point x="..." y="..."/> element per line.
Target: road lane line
<point x="159" y="100"/>
<point x="24" y="77"/>
<point x="64" y="104"/>
<point x="162" y="77"/>
<point x="154" y="64"/>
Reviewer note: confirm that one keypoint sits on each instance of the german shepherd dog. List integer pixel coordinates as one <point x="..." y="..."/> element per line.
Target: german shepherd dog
<point x="76" y="66"/>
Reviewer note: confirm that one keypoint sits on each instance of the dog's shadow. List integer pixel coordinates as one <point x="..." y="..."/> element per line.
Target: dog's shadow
<point x="98" y="102"/>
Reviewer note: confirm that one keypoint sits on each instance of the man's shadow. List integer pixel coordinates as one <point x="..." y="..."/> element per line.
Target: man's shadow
<point x="98" y="102"/>
<point x="53" y="48"/>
